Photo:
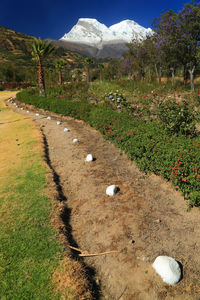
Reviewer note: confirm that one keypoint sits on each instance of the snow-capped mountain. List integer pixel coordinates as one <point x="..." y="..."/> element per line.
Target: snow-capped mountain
<point x="92" y="32"/>
<point x="129" y="30"/>
<point x="98" y="40"/>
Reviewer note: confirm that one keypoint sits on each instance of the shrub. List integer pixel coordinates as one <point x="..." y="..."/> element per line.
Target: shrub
<point x="77" y="91"/>
<point x="14" y="85"/>
<point x="177" y="117"/>
<point x="117" y="98"/>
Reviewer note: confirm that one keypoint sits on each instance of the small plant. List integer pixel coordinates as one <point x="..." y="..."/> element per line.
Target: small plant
<point x="116" y="98"/>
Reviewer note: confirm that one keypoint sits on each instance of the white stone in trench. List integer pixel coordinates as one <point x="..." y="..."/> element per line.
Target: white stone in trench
<point x="111" y="190"/>
<point x="89" y="158"/>
<point x="75" y="140"/>
<point x="58" y="123"/>
<point x="66" y="130"/>
<point x="168" y="269"/>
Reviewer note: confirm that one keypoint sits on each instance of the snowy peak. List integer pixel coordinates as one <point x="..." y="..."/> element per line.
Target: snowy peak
<point x="129" y="30"/>
<point x="93" y="23"/>
<point x="88" y="31"/>
<point x="94" y="33"/>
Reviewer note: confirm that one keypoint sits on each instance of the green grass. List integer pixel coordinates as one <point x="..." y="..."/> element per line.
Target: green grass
<point x="29" y="248"/>
<point x="28" y="244"/>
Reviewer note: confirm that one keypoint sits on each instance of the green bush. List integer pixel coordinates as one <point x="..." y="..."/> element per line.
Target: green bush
<point x="150" y="144"/>
<point x="116" y="98"/>
<point x="177" y="116"/>
<point x="78" y="110"/>
<point x="77" y="91"/>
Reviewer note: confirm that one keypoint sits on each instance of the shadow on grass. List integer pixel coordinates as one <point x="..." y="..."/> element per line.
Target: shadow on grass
<point x="65" y="216"/>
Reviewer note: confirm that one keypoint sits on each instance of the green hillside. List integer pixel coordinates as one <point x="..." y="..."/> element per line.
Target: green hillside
<point x="16" y="61"/>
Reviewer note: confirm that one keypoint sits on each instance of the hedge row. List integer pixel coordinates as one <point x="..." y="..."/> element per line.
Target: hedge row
<point x="14" y="85"/>
<point x="176" y="158"/>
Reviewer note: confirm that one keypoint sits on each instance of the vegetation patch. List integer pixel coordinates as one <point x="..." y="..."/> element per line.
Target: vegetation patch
<point x="149" y="142"/>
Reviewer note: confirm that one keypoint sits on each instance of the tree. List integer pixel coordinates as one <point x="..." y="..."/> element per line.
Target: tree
<point x="88" y="61"/>
<point x="40" y="50"/>
<point x="138" y="60"/>
<point x="60" y="65"/>
<point x="179" y="37"/>
<point x="112" y="70"/>
<point x="101" y="67"/>
<point x="165" y="39"/>
<point x="78" y="74"/>
<point x="189" y="37"/>
<point x="126" y="65"/>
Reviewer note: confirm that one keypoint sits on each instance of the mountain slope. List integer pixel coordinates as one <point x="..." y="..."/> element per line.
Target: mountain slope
<point x="15" y="49"/>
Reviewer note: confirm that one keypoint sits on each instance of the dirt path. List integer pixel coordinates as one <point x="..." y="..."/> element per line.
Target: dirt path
<point x="146" y="218"/>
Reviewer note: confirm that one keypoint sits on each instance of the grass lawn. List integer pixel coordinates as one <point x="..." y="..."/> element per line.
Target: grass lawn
<point x="29" y="248"/>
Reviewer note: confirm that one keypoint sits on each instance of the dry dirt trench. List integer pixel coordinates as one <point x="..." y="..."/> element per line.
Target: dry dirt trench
<point x="146" y="218"/>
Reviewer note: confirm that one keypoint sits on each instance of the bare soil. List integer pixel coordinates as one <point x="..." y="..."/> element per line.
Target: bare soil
<point x="146" y="218"/>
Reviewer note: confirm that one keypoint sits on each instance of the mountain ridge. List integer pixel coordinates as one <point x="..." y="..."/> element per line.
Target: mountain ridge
<point x="90" y="32"/>
<point x="93" y="32"/>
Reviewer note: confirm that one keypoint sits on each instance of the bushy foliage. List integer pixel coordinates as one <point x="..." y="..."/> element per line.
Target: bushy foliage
<point x="77" y="91"/>
<point x="116" y="98"/>
<point x="175" y="157"/>
<point x="75" y="109"/>
<point x="177" y="116"/>
<point x="15" y="85"/>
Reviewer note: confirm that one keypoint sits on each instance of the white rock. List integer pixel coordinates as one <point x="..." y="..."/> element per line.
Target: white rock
<point x="111" y="190"/>
<point x="22" y="108"/>
<point x="66" y="130"/>
<point x="58" y="123"/>
<point x="27" y="111"/>
<point x="75" y="140"/>
<point x="48" y="118"/>
<point x="89" y="158"/>
<point x="168" y="268"/>
<point x="37" y="115"/>
<point x="16" y="105"/>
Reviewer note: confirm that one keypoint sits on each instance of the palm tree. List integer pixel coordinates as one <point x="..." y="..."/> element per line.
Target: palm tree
<point x="101" y="67"/>
<point x="40" y="50"/>
<point x="60" y="64"/>
<point x="88" y="61"/>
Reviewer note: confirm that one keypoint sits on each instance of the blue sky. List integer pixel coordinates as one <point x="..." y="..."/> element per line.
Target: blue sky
<point x="53" y="18"/>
